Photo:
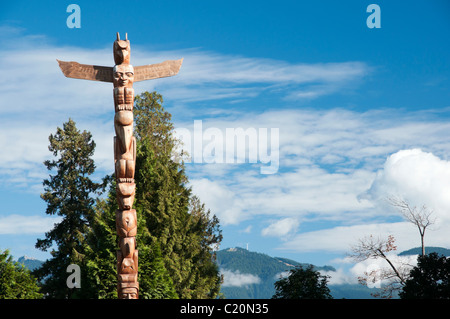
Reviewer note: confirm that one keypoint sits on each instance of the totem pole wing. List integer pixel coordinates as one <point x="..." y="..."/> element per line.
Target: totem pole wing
<point x="156" y="71"/>
<point x="86" y="72"/>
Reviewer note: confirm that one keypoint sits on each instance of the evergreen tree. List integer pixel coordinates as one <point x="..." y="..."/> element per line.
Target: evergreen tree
<point x="158" y="284"/>
<point x="102" y="245"/>
<point x="69" y="194"/>
<point x="175" y="232"/>
<point x="201" y="232"/>
<point x="430" y="279"/>
<point x="302" y="283"/>
<point x="154" y="280"/>
<point x="16" y="282"/>
<point x="169" y="217"/>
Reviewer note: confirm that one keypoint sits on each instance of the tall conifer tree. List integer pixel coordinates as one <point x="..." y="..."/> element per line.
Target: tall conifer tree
<point x="69" y="193"/>
<point x="171" y="219"/>
<point x="176" y="234"/>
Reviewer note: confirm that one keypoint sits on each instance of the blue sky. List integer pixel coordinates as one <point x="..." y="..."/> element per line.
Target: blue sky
<point x="362" y="113"/>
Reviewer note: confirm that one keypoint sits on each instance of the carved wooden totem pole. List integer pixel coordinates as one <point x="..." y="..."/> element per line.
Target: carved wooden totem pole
<point x="123" y="75"/>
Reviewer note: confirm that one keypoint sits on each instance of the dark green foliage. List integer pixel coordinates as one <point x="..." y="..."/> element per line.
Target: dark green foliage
<point x="16" y="281"/>
<point x="175" y="231"/>
<point x="430" y="279"/>
<point x="69" y="193"/>
<point x="102" y="246"/>
<point x="302" y="283"/>
<point x="170" y="218"/>
<point x="155" y="281"/>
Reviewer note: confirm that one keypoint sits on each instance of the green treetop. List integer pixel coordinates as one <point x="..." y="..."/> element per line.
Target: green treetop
<point x="16" y="282"/>
<point x="69" y="193"/>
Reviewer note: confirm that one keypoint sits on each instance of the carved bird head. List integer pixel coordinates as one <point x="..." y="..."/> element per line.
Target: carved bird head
<point x="121" y="49"/>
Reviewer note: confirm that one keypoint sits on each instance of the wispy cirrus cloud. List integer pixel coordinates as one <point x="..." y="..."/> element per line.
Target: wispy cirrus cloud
<point x="333" y="154"/>
<point x="18" y="224"/>
<point x="328" y="157"/>
<point x="36" y="98"/>
<point x="212" y="76"/>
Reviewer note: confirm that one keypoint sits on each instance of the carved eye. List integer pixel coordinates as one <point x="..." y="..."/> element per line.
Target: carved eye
<point x="129" y="73"/>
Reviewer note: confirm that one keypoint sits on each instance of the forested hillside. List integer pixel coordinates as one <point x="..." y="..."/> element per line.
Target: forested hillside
<point x="428" y="250"/>
<point x="242" y="264"/>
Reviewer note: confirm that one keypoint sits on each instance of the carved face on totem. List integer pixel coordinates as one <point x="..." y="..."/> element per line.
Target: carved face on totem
<point x="129" y="293"/>
<point x="123" y="75"/>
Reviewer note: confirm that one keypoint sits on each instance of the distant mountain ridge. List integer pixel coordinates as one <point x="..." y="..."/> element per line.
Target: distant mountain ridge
<point x="254" y="274"/>
<point x="242" y="259"/>
<point x="30" y="263"/>
<point x="251" y="275"/>
<point x="428" y="250"/>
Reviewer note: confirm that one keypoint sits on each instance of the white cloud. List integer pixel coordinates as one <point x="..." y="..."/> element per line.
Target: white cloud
<point x="419" y="177"/>
<point x="350" y="276"/>
<point x="18" y="224"/>
<point x="247" y="230"/>
<point x="237" y="279"/>
<point x="281" y="227"/>
<point x="282" y="274"/>
<point x="220" y="199"/>
<point x="341" y="239"/>
<point x="211" y="76"/>
<point x="402" y="263"/>
<point x="329" y="160"/>
<point x="340" y="277"/>
<point x="333" y="152"/>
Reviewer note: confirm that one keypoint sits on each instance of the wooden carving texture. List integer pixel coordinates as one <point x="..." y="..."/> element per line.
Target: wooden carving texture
<point x="124" y="160"/>
<point x="123" y="75"/>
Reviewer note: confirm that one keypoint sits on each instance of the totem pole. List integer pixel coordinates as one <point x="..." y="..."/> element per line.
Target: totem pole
<point x="123" y="75"/>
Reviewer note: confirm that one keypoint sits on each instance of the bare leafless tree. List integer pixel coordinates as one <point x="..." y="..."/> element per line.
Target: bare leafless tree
<point x="420" y="217"/>
<point x="370" y="247"/>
